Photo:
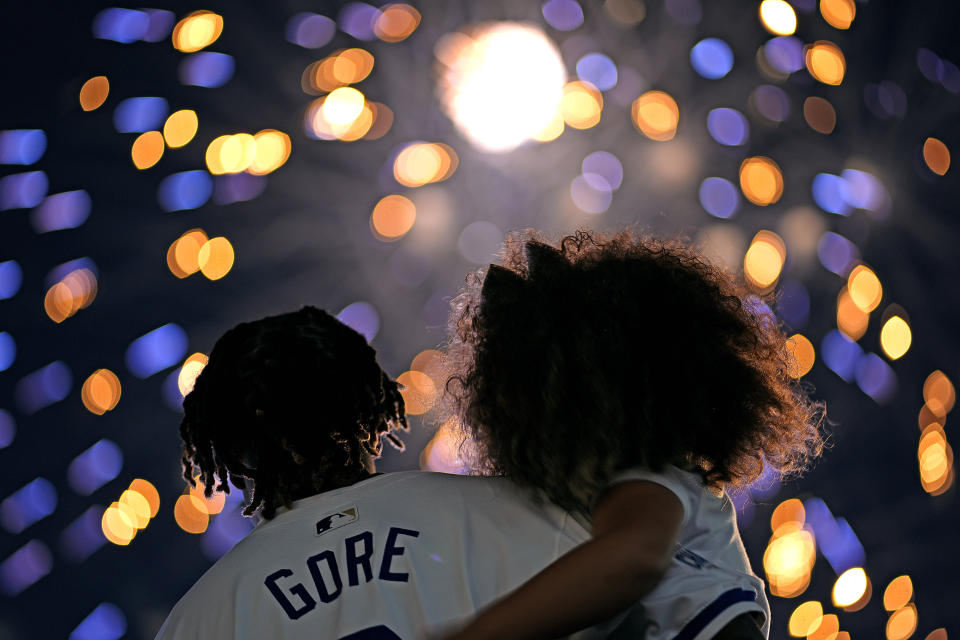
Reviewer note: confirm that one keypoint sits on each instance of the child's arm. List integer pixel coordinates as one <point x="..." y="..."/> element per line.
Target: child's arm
<point x="635" y="528"/>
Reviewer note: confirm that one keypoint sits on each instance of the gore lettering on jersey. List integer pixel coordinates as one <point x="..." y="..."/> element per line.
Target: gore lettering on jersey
<point x="327" y="574"/>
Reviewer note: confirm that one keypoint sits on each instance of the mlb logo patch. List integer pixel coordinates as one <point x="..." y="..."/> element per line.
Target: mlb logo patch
<point x="337" y="519"/>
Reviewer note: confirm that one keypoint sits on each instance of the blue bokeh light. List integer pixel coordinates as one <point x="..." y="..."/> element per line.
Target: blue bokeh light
<point x="66" y="210"/>
<point x="876" y="378"/>
<point x="24" y="567"/>
<point x="106" y="622"/>
<point x="863" y="190"/>
<point x="362" y="317"/>
<point x="8" y="350"/>
<point x="185" y="190"/>
<point x="836" y="253"/>
<point x="22" y="146"/>
<point x="606" y="165"/>
<point x="84" y="535"/>
<point x="161" y="24"/>
<point x="44" y="387"/>
<point x="8" y="429"/>
<point x="156" y="350"/>
<point x="95" y="467"/>
<point x="23" y="190"/>
<point x="206" y="69"/>
<point x="591" y="193"/>
<point x="11" y="277"/>
<point x="597" y="69"/>
<point x="121" y="25"/>
<point x="27" y="505"/>
<point x="136" y="115"/>
<point x="840" y="354"/>
<point x="836" y="539"/>
<point x="563" y="15"/>
<point x="237" y="187"/>
<point x="785" y="53"/>
<point x="357" y="19"/>
<point x="793" y="305"/>
<point x="728" y="126"/>
<point x="828" y="193"/>
<point x="712" y="58"/>
<point x="719" y="197"/>
<point x="310" y="30"/>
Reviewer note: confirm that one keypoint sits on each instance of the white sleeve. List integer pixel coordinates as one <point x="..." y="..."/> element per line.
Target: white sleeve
<point x="670" y="478"/>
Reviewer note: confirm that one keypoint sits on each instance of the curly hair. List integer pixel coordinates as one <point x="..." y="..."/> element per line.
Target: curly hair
<point x="294" y="402"/>
<point x="571" y="362"/>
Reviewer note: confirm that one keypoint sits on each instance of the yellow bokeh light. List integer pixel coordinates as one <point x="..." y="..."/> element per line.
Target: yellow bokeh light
<point x="788" y="512"/>
<point x="803" y="354"/>
<point x="351" y="66"/>
<point x="788" y="559"/>
<point x="656" y="115"/>
<point x="761" y="180"/>
<point x="851" y="319"/>
<point x="552" y="131"/>
<point x="850" y="587"/>
<point x="937" y="634"/>
<point x="238" y="152"/>
<point x="895" y="337"/>
<point x="215" y="258"/>
<point x="189" y="371"/>
<point x="358" y="128"/>
<point x="393" y="217"/>
<point x="137" y="507"/>
<point x="443" y="452"/>
<point x="149" y="492"/>
<point x="825" y="62"/>
<point x="939" y="393"/>
<point x="430" y="362"/>
<point x="419" y="392"/>
<point x="117" y="524"/>
<point x="626" y="12"/>
<point x="838" y="13"/>
<point x="778" y="17"/>
<point x="182" y="254"/>
<point x="318" y="77"/>
<point x="343" y="106"/>
<point x="212" y="505"/>
<point x="764" y="259"/>
<point x="271" y="150"/>
<point x="147" y="149"/>
<point x="180" y="128"/>
<point x="865" y="289"/>
<point x="898" y="593"/>
<point x="828" y="628"/>
<point x="581" y="105"/>
<point x="94" y="93"/>
<point x="805" y="619"/>
<point x="820" y="115"/>
<point x="902" y="623"/>
<point x="936" y="155"/>
<point x="196" y="31"/>
<point x="76" y="291"/>
<point x="190" y="514"/>
<point x="422" y="163"/>
<point x="396" y="22"/>
<point x="502" y="83"/>
<point x="101" y="391"/>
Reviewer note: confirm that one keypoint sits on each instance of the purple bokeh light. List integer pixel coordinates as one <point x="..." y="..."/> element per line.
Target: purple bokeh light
<point x="66" y="210"/>
<point x="156" y="350"/>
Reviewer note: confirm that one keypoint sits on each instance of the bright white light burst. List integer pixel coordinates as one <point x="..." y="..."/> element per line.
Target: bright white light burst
<point x="501" y="83"/>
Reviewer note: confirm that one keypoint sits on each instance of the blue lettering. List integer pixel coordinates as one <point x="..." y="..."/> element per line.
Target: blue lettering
<point x="298" y="589"/>
<point x="355" y="560"/>
<point x="314" y="564"/>
<point x="391" y="550"/>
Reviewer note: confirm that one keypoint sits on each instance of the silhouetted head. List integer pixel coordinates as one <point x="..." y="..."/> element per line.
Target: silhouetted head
<point x="575" y="360"/>
<point x="295" y="402"/>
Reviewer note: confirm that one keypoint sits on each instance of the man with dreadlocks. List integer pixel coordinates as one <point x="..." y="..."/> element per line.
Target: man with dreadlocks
<point x="293" y="409"/>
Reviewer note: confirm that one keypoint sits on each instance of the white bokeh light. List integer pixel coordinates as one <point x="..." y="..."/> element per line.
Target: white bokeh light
<point x="501" y="84"/>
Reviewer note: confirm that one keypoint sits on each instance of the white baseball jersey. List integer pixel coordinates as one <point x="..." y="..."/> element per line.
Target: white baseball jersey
<point x="709" y="582"/>
<point x="410" y="554"/>
<point x="400" y="555"/>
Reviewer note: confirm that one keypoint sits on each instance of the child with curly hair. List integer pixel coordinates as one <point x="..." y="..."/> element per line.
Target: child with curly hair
<point x="629" y="380"/>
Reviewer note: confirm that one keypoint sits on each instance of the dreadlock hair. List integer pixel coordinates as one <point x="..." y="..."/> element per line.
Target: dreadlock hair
<point x="295" y="402"/>
<point x="573" y="361"/>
